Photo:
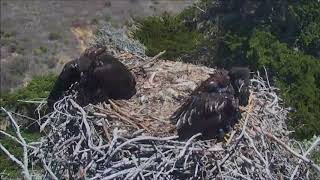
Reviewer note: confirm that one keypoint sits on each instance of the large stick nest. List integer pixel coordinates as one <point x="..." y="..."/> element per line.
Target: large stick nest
<point x="135" y="140"/>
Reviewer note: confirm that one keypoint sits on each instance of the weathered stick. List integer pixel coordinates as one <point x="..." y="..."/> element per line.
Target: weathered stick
<point x="23" y="165"/>
<point x="150" y="61"/>
<point x="314" y="144"/>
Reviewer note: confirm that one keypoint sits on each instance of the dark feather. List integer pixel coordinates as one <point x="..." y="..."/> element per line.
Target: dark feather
<point x="211" y="107"/>
<point x="99" y="75"/>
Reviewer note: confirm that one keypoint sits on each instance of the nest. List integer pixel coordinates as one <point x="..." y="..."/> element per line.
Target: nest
<point x="161" y="88"/>
<point x="135" y="140"/>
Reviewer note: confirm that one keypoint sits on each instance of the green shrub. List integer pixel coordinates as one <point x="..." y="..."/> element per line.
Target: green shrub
<point x="167" y="32"/>
<point x="297" y="75"/>
<point x="40" y="50"/>
<point x="6" y="34"/>
<point x="307" y="15"/>
<point x="95" y="21"/>
<point x="14" y="46"/>
<point x="54" y="36"/>
<point x="38" y="87"/>
<point x="6" y="165"/>
<point x="108" y="18"/>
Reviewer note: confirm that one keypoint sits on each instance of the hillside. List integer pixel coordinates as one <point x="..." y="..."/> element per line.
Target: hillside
<point x="38" y="37"/>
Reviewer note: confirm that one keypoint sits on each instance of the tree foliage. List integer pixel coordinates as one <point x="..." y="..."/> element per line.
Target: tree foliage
<point x="297" y="75"/>
<point x="167" y="32"/>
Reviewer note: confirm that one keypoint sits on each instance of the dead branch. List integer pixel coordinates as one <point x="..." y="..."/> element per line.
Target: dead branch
<point x="150" y="61"/>
<point x="24" y="163"/>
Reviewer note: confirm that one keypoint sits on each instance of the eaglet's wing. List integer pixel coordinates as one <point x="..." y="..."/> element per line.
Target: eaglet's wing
<point x="203" y="105"/>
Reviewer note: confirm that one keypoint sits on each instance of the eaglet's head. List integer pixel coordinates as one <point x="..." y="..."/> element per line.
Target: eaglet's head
<point x="218" y="82"/>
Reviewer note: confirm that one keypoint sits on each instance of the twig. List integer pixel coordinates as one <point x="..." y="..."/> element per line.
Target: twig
<point x="270" y="136"/>
<point x="314" y="144"/>
<point x="199" y="8"/>
<point x="150" y="61"/>
<point x="182" y="153"/>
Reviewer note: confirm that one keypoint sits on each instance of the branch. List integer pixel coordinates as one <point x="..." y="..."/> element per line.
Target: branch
<point x="150" y="61"/>
<point x="23" y="165"/>
<point x="272" y="137"/>
<point x="314" y="144"/>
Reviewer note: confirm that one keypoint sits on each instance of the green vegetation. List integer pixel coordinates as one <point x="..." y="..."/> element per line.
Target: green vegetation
<point x="94" y="21"/>
<point x="54" y="36"/>
<point x="314" y="154"/>
<point x="7" y="166"/>
<point x="66" y="41"/>
<point x="316" y="157"/>
<point x="282" y="36"/>
<point x="8" y="39"/>
<point x="108" y="18"/>
<point x="15" y="47"/>
<point x="4" y="34"/>
<point x="168" y="33"/>
<point x="297" y="75"/>
<point x="39" y="87"/>
<point x="40" y="50"/>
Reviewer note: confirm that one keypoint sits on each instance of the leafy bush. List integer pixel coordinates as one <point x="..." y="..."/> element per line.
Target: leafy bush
<point x="167" y="32"/>
<point x="307" y="15"/>
<point x="54" y="36"/>
<point x="38" y="87"/>
<point x="6" y="165"/>
<point x="94" y="21"/>
<point x="297" y="75"/>
<point x="40" y="50"/>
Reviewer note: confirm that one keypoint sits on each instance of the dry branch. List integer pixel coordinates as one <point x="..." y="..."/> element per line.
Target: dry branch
<point x="149" y="61"/>
<point x="24" y="163"/>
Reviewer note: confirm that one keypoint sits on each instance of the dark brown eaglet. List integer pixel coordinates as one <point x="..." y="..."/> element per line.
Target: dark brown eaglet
<point x="211" y="109"/>
<point x="98" y="76"/>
